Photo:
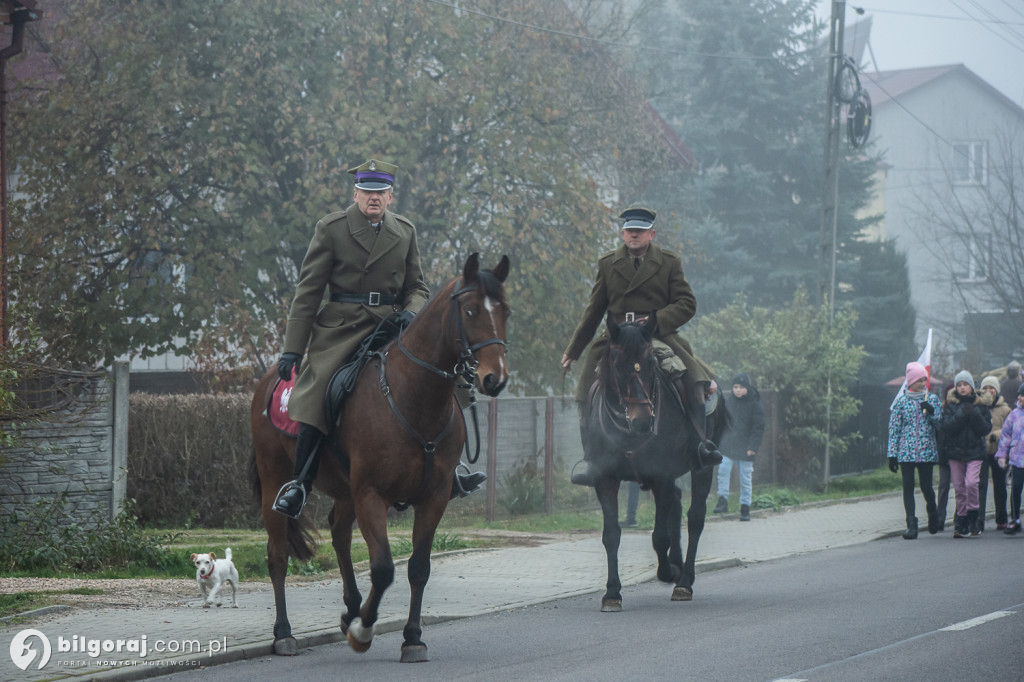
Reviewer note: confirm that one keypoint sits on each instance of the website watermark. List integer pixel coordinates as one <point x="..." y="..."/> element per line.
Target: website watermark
<point x="31" y="647"/>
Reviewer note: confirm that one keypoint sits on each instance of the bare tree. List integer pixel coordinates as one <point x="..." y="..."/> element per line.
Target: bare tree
<point x="971" y="224"/>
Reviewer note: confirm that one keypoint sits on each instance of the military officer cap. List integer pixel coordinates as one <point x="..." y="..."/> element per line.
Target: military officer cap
<point x="374" y="175"/>
<point x="637" y="218"/>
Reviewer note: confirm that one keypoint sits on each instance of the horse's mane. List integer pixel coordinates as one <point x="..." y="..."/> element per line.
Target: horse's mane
<point x="488" y="286"/>
<point x="632" y="339"/>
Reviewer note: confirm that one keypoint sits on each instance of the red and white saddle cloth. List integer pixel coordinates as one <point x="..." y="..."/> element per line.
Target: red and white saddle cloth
<point x="277" y="408"/>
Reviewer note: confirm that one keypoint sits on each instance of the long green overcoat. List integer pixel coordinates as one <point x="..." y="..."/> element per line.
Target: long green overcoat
<point x="346" y="256"/>
<point x="658" y="286"/>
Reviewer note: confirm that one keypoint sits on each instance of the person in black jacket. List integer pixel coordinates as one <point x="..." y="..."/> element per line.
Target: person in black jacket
<point x="966" y="422"/>
<point x="740" y="442"/>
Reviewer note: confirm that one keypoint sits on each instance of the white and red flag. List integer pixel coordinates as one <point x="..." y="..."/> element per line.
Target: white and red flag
<point x="925" y="359"/>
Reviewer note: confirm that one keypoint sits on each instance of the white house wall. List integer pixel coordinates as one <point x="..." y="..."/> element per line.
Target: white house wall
<point x="915" y="133"/>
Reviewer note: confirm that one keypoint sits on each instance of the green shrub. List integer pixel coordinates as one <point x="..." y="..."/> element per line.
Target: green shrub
<point x="523" y="490"/>
<point x="41" y="539"/>
<point x="777" y="499"/>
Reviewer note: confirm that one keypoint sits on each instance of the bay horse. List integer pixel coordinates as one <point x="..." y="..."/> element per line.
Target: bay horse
<point x="636" y="430"/>
<point x="399" y="439"/>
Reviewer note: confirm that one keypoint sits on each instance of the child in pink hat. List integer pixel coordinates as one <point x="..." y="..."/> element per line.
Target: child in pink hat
<point x="912" y="449"/>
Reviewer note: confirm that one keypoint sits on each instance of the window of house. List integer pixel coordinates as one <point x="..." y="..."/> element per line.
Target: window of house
<point x="973" y="264"/>
<point x="970" y="163"/>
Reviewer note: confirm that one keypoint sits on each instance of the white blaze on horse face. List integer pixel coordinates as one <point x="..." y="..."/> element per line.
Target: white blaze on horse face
<point x="489" y="307"/>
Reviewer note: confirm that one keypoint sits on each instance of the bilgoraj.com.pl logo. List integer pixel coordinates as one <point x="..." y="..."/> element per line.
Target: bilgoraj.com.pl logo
<point x="30" y="644"/>
<point x="22" y="651"/>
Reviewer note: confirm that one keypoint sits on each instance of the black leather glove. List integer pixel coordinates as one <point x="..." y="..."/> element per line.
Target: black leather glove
<point x="927" y="408"/>
<point x="286" y="362"/>
<point x="403" y="318"/>
<point x="894" y="466"/>
<point x="968" y="405"/>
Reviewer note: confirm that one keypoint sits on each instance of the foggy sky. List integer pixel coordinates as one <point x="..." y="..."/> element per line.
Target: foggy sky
<point x="987" y="36"/>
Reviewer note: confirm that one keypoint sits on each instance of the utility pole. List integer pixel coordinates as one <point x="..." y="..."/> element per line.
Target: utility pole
<point x="830" y="201"/>
<point x="830" y="187"/>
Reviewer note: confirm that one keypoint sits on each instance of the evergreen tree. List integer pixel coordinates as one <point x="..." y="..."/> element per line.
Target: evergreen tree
<point x="885" y="316"/>
<point x="743" y="83"/>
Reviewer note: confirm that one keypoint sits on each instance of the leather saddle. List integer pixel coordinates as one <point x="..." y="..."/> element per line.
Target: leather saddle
<point x="343" y="380"/>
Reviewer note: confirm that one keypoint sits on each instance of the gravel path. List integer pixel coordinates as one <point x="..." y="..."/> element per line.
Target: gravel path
<point x="119" y="593"/>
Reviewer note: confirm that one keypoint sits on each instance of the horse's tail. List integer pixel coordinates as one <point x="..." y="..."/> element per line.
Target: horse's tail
<point x="254" y="477"/>
<point x="301" y="543"/>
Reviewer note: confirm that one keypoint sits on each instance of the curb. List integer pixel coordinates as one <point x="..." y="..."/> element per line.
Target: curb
<point x="334" y="635"/>
<point x="37" y="612"/>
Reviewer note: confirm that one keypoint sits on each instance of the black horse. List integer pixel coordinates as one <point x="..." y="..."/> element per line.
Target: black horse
<point x="636" y="430"/>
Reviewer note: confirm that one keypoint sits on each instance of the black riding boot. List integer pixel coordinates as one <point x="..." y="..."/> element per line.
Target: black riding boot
<point x="586" y="475"/>
<point x="464" y="484"/>
<point x="292" y="496"/>
<point x="707" y="451"/>
<point x="911" y="532"/>
<point x="933" y="519"/>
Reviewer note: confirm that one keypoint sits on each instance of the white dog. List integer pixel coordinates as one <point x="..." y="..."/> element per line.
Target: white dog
<point x="212" y="573"/>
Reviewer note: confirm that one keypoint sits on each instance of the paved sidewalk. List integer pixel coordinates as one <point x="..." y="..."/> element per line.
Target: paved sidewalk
<point x="461" y="584"/>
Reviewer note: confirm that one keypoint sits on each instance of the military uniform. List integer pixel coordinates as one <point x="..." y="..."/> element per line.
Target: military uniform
<point x="629" y="287"/>
<point x="369" y="272"/>
<point x="657" y="286"/>
<point x="347" y="256"/>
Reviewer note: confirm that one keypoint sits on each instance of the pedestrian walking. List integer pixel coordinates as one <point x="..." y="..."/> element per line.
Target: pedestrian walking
<point x="913" y="424"/>
<point x="740" y="442"/>
<point x="1011" y="384"/>
<point x="999" y="410"/>
<point x="965" y="424"/>
<point x="1010" y="453"/>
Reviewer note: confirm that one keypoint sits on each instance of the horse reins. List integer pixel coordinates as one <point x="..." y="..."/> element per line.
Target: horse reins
<point x="465" y="368"/>
<point x="609" y="419"/>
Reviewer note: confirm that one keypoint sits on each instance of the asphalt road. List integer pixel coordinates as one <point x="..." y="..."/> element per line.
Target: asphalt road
<point x="932" y="609"/>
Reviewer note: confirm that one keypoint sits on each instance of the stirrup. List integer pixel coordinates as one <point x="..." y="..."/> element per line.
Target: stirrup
<point x="286" y="488"/>
<point x="711" y="403"/>
<point x="587" y="477"/>
<point x="458" y="490"/>
<point x="708" y="454"/>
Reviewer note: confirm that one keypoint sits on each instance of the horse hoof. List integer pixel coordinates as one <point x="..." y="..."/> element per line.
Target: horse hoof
<point x="682" y="594"/>
<point x="414" y="653"/>
<point x="286" y="647"/>
<point x="611" y="605"/>
<point x="359" y="638"/>
<point x="356" y="645"/>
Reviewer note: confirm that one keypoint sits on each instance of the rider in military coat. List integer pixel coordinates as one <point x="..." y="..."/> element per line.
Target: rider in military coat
<point x="366" y="260"/>
<point x="634" y="281"/>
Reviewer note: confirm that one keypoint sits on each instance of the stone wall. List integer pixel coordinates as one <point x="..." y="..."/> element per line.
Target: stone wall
<point x="72" y="440"/>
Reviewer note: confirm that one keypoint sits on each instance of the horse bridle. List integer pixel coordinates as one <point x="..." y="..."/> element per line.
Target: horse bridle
<point x="643" y="396"/>
<point x="465" y="368"/>
<point x="467" y="363"/>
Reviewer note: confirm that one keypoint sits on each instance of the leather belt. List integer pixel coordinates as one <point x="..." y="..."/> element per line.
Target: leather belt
<point x="373" y="298"/>
<point x="629" y="317"/>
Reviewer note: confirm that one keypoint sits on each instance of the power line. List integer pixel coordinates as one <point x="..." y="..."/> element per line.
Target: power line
<point x="941" y="16"/>
<point x="1012" y="8"/>
<point x="913" y="115"/>
<point x="592" y="39"/>
<point x="984" y="25"/>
